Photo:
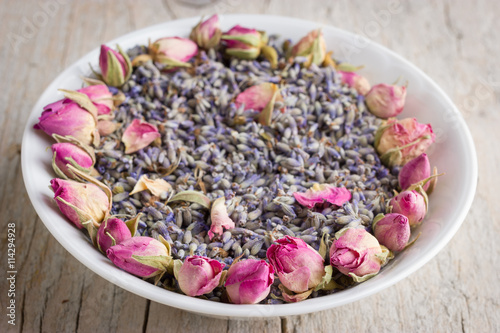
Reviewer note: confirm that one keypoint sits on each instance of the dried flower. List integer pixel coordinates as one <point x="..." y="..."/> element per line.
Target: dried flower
<point x="79" y="155"/>
<point x="411" y="204"/>
<point x="392" y="231"/>
<point x="249" y="281"/>
<point x="219" y="217"/>
<point x="323" y="192"/>
<point x="260" y="98"/>
<point x="100" y="96"/>
<point x="156" y="187"/>
<point x="356" y="81"/>
<point x="106" y="127"/>
<point x="199" y="275"/>
<point x="385" y="100"/>
<point x="69" y="119"/>
<point x="207" y="33"/>
<point x="299" y="266"/>
<point x="81" y="203"/>
<point x="356" y="253"/>
<point x="244" y="43"/>
<point x="139" y="134"/>
<point x="173" y="52"/>
<point x="142" y="256"/>
<point x="416" y="171"/>
<point x="111" y="232"/>
<point x="115" y="66"/>
<point x="399" y="141"/>
<point x="312" y="46"/>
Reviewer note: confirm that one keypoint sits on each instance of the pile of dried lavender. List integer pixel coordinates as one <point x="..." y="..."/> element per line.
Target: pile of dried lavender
<point x="326" y="135"/>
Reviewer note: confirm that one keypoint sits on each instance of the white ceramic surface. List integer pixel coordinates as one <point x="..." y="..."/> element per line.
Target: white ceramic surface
<point x="453" y="153"/>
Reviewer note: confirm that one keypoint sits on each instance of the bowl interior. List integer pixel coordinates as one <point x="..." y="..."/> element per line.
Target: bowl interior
<point x="452" y="153"/>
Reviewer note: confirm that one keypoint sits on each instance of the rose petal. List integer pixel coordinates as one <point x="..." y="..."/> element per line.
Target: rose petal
<point x="257" y="97"/>
<point x="323" y="192"/>
<point x="139" y="134"/>
<point x="220" y="218"/>
<point x="156" y="187"/>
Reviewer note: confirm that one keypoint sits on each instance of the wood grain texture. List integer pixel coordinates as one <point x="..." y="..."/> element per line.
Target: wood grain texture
<point x="456" y="44"/>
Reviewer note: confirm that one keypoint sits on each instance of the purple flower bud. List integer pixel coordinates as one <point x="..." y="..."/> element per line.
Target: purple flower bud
<point x="68" y="153"/>
<point x="356" y="252"/>
<point x="207" y="33"/>
<point x="393" y="231"/>
<point x="111" y="232"/>
<point x="68" y="119"/>
<point x="386" y="101"/>
<point x="141" y="256"/>
<point x="415" y="171"/>
<point x="199" y="275"/>
<point x="299" y="266"/>
<point x="249" y="281"/>
<point x="115" y="66"/>
<point x="411" y="204"/>
<point x="79" y="202"/>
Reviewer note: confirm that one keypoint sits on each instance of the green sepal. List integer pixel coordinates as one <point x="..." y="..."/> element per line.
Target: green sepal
<point x="192" y="196"/>
<point x="177" y="267"/>
<point x="246" y="54"/>
<point x="270" y="54"/>
<point x="115" y="76"/>
<point x="266" y="115"/>
<point x="132" y="224"/>
<point x="323" y="246"/>
<point x="82" y="215"/>
<point x="385" y="255"/>
<point x="248" y="39"/>
<point x="92" y="82"/>
<point x="361" y="278"/>
<point x="376" y="219"/>
<point x="346" y="67"/>
<point x="167" y="244"/>
<point x="159" y="262"/>
<point x="170" y="62"/>
<point x="127" y="62"/>
<point x="317" y="52"/>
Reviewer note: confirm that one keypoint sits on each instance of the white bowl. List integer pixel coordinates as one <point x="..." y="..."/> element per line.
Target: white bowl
<point x="452" y="153"/>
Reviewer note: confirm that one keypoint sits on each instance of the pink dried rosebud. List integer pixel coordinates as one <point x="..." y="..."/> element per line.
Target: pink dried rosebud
<point x="299" y="266"/>
<point x="356" y="81"/>
<point x="173" y="51"/>
<point x="249" y="281"/>
<point x="115" y="66"/>
<point x="100" y="96"/>
<point x="68" y="119"/>
<point x="220" y="218"/>
<point x="415" y="171"/>
<point x="411" y="204"/>
<point x="399" y="141"/>
<point x="80" y="203"/>
<point x="65" y="153"/>
<point x="312" y="46"/>
<point x="139" y="134"/>
<point x="111" y="232"/>
<point x="385" y="100"/>
<point x="392" y="231"/>
<point x="356" y="253"/>
<point x="207" y="33"/>
<point x="141" y="256"/>
<point x="319" y="193"/>
<point x="244" y="43"/>
<point x="199" y="275"/>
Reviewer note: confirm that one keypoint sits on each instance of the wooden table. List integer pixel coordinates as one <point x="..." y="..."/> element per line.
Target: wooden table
<point x="456" y="43"/>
